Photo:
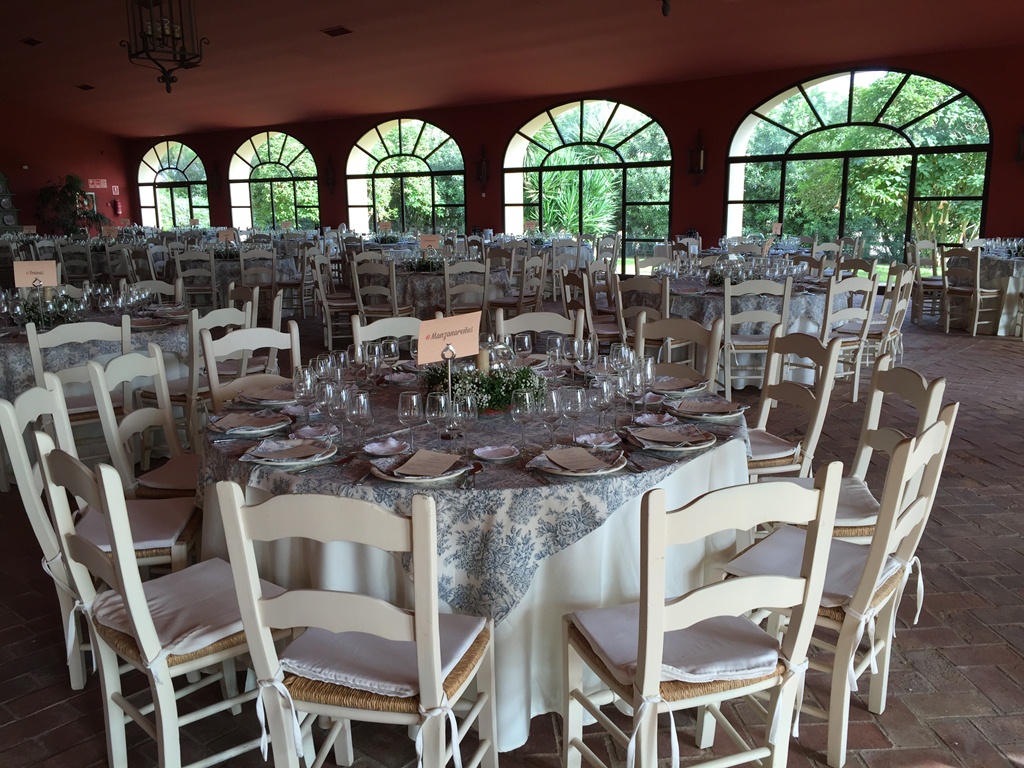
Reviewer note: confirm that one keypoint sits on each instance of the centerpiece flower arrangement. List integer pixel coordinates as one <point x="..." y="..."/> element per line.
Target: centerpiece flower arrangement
<point x="493" y="390"/>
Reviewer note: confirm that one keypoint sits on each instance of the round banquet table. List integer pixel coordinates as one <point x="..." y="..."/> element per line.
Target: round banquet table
<point x="1006" y="274"/>
<point x="520" y="548"/>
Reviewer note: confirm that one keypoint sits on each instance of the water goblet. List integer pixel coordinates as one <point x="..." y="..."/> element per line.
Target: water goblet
<point x="304" y="387"/>
<point x="436" y="411"/>
<point x="550" y="411"/>
<point x="523" y="409"/>
<point x="410" y="414"/>
<point x="574" y="405"/>
<point x="357" y="412"/>
<point x="523" y="347"/>
<point x="602" y="397"/>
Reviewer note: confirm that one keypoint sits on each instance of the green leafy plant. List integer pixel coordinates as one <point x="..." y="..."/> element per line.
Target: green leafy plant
<point x="63" y="209"/>
<point x="493" y="390"/>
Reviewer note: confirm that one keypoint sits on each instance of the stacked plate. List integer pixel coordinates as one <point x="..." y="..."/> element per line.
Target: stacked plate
<point x="289" y="453"/>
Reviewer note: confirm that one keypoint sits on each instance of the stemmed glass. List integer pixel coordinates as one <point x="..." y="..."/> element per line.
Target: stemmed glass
<point x="410" y="414"/>
<point x="436" y="411"/>
<point x="357" y="411"/>
<point x="389" y="351"/>
<point x="338" y="407"/>
<point x="4" y="306"/>
<point x="550" y="411"/>
<point x="463" y="413"/>
<point x="523" y="346"/>
<point x="574" y="405"/>
<point x="523" y="409"/>
<point x="621" y="357"/>
<point x="304" y="387"/>
<point x="586" y="355"/>
<point x="602" y="397"/>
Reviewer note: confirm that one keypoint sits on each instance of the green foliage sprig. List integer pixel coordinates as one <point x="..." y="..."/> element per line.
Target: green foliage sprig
<point x="493" y="390"/>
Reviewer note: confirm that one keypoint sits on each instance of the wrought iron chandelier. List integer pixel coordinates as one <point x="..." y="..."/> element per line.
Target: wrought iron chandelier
<point x="162" y="35"/>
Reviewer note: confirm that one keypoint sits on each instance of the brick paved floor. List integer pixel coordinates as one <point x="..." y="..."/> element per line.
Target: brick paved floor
<point x="956" y="695"/>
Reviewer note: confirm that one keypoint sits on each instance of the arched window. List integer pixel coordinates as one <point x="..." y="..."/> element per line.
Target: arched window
<point x="883" y="155"/>
<point x="409" y="173"/>
<point x="172" y="187"/>
<point x="273" y="180"/>
<point x="597" y="167"/>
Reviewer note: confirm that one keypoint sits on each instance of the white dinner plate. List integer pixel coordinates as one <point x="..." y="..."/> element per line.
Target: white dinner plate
<point x="656" y="419"/>
<point x="327" y="452"/>
<point x="650" y="445"/>
<point x="496" y="452"/>
<point x="598" y="440"/>
<point x="269" y="429"/>
<point x="390" y="476"/>
<point x="389" y="447"/>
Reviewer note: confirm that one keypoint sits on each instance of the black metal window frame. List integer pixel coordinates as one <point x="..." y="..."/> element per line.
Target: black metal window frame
<point x="292" y="180"/>
<point x="188" y="184"/>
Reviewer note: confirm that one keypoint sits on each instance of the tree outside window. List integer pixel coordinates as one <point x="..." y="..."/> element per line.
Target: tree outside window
<point x="886" y="156"/>
<point x="273" y="180"/>
<point x="172" y="187"/>
<point x="408" y="173"/>
<point x="592" y="167"/>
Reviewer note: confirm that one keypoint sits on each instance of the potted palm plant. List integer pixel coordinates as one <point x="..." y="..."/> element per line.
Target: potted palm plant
<point x="66" y="208"/>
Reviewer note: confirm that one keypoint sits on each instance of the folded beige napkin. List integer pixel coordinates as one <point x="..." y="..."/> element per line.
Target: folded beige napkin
<point x="698" y="407"/>
<point x="425" y="463"/>
<point x="675" y="435"/>
<point x="674" y="385"/>
<point x="232" y="421"/>
<point x="285" y="449"/>
<point x="574" y="459"/>
<point x="269" y="393"/>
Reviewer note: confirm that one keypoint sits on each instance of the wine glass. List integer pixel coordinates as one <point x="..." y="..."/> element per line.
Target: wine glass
<point x="373" y="356"/>
<point x="523" y="409"/>
<point x="463" y="413"/>
<point x="602" y="397"/>
<point x="326" y="392"/>
<point x="389" y="351"/>
<point x="574" y="405"/>
<point x="586" y="354"/>
<point x="436" y="411"/>
<point x="357" y="412"/>
<point x="337" y="408"/>
<point x="523" y="347"/>
<point x="4" y="306"/>
<point x="304" y="387"/>
<point x="550" y="411"/>
<point x="410" y="414"/>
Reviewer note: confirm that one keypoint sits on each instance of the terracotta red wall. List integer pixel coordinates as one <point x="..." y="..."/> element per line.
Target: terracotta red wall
<point x="714" y="107"/>
<point x="34" y="152"/>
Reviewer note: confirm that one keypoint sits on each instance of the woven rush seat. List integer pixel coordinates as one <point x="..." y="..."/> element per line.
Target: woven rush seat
<point x="126" y="646"/>
<point x="882" y="592"/>
<point x="671" y="690"/>
<point x="333" y="694"/>
<point x="768" y="450"/>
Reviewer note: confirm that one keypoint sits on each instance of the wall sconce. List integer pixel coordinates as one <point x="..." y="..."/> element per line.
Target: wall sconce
<point x="697" y="159"/>
<point x="481" y="167"/>
<point x="666" y="7"/>
<point x="329" y="178"/>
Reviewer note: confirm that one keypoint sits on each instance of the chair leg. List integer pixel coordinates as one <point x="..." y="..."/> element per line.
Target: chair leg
<point x="76" y="661"/>
<point x="432" y="730"/>
<point x="113" y="715"/>
<point x="344" y="754"/>
<point x="705" y="735"/>
<point x="572" y="711"/>
<point x="168" y="737"/>
<point x="783" y="701"/>
<point x="646" y="732"/>
<point x="487" y="726"/>
<point x="839" y="701"/>
<point x="879" y="689"/>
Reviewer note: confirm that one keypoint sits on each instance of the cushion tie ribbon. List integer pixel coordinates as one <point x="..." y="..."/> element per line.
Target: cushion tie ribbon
<point x="277" y="683"/>
<point x="445" y="710"/>
<point x="799" y="673"/>
<point x="646" y="704"/>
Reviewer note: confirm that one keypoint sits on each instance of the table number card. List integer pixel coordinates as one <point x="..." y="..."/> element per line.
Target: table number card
<point x="430" y="241"/>
<point x="777" y="228"/>
<point x="28" y="229"/>
<point x="226" y="235"/>
<point x="26" y="273"/>
<point x="384" y="226"/>
<point x="108" y="232"/>
<point x="528" y="225"/>
<point x="461" y="331"/>
<point x="287" y="224"/>
<point x="194" y="222"/>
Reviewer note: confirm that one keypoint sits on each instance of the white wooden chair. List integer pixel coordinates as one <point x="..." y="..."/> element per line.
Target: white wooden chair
<point x="462" y="295"/>
<point x="243" y="342"/>
<point x="397" y="327"/>
<point x="924" y="254"/>
<point x="529" y="296"/>
<point x="962" y="293"/>
<point x="539" y="322"/>
<point x="698" y="650"/>
<point x="168" y="529"/>
<point x="864" y="583"/>
<point x="700" y="346"/>
<point x="377" y="299"/>
<point x="196" y="269"/>
<point x="132" y="433"/>
<point x="360" y="657"/>
<point x="76" y="264"/>
<point x="163" y="291"/>
<point x="773" y="454"/>
<point x="179" y="625"/>
<point x="740" y="351"/>
<point x="849" y="303"/>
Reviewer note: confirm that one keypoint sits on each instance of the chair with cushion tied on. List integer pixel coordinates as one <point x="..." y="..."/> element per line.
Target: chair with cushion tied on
<point x="132" y="433"/>
<point x="700" y="650"/>
<point x="183" y="624"/>
<point x="242" y="342"/>
<point x="377" y="299"/>
<point x="538" y="323"/>
<point x="167" y="531"/>
<point x="773" y="454"/>
<point x="885" y="329"/>
<point x="699" y="346"/>
<point x="739" y="348"/>
<point x="81" y="405"/>
<point x="529" y="295"/>
<point x="359" y="657"/>
<point x="864" y="583"/>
